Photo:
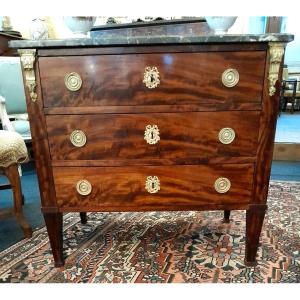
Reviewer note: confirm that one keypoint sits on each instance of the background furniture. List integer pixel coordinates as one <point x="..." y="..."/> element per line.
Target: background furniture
<point x="290" y="95"/>
<point x="12" y="104"/>
<point x="183" y="27"/>
<point x="5" y="37"/>
<point x="13" y="111"/>
<point x="11" y="146"/>
<point x="13" y="151"/>
<point x="153" y="123"/>
<point x="290" y="92"/>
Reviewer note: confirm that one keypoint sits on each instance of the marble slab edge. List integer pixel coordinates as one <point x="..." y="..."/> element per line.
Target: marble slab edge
<point x="153" y="40"/>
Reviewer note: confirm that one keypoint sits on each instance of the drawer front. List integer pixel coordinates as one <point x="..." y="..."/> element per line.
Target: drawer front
<point x="153" y="136"/>
<point x="153" y="186"/>
<point x="185" y="78"/>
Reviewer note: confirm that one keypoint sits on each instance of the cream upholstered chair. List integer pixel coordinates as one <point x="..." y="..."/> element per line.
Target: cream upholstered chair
<point x="19" y="123"/>
<point x="13" y="111"/>
<point x="13" y="151"/>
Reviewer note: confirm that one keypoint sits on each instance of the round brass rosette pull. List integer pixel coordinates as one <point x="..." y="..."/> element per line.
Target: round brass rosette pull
<point x="151" y="134"/>
<point x="222" y="185"/>
<point x="230" y="77"/>
<point x="73" y="81"/>
<point x="152" y="184"/>
<point x="151" y="77"/>
<point x="226" y="136"/>
<point x="83" y="187"/>
<point x="78" y="138"/>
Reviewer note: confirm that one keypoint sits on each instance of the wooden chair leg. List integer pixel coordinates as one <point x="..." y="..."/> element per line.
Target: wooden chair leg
<point x="293" y="106"/>
<point x="285" y="105"/>
<point x="83" y="218"/>
<point x="12" y="174"/>
<point x="226" y="216"/>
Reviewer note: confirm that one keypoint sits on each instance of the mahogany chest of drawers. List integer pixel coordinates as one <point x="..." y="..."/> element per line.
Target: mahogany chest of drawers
<point x="142" y="124"/>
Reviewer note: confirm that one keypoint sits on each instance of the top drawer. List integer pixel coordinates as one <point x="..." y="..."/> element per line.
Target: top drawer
<point x="185" y="78"/>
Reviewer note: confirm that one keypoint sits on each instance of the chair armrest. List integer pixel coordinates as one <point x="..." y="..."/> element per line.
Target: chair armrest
<point x="19" y="116"/>
<point x="6" y="124"/>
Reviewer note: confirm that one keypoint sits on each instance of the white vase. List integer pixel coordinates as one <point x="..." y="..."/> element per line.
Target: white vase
<point x="80" y="26"/>
<point x="220" y="25"/>
<point x="39" y="29"/>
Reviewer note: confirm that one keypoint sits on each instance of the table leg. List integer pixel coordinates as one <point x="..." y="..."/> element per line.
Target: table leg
<point x="226" y="216"/>
<point x="54" y="228"/>
<point x="83" y="218"/>
<point x="254" y="221"/>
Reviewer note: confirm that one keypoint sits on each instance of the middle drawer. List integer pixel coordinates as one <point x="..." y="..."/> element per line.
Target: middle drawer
<point x="152" y="136"/>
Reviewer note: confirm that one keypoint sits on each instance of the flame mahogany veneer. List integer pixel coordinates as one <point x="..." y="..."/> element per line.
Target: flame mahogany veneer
<point x="190" y="106"/>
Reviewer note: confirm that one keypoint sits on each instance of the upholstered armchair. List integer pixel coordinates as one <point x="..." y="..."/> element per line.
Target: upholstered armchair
<point x="15" y="125"/>
<point x="13" y="151"/>
<point x="13" y="112"/>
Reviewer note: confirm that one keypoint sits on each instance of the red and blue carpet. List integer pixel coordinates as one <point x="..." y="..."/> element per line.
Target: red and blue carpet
<point x="165" y="247"/>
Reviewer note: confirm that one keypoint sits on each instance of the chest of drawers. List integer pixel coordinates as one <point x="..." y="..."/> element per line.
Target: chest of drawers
<point x="147" y="124"/>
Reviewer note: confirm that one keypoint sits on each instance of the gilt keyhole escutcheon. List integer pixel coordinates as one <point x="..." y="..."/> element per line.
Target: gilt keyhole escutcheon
<point x="151" y="134"/>
<point x="151" y="77"/>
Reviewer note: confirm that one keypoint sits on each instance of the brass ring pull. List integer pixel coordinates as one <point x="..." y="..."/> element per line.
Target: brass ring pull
<point x="230" y="77"/>
<point x="152" y="184"/>
<point x="151" y="77"/>
<point x="222" y="185"/>
<point x="226" y="135"/>
<point x="73" y="81"/>
<point x="151" y="134"/>
<point x="83" y="187"/>
<point x="78" y="138"/>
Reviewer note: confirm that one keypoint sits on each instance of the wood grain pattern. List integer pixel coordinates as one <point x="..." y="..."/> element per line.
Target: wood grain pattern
<point x="40" y="144"/>
<point x="189" y="106"/>
<point x="154" y="161"/>
<point x="185" y="79"/>
<point x="127" y="109"/>
<point x="54" y="224"/>
<point x="5" y="50"/>
<point x="266" y="139"/>
<point x="182" y="135"/>
<point x="12" y="173"/>
<point x="254" y="221"/>
<point x="180" y="185"/>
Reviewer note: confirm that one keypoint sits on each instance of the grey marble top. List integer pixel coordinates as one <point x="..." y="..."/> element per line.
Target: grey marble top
<point x="144" y="40"/>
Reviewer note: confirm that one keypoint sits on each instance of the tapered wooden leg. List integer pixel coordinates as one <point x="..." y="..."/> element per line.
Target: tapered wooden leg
<point x="83" y="218"/>
<point x="54" y="227"/>
<point x="254" y="221"/>
<point x="13" y="176"/>
<point x="226" y="216"/>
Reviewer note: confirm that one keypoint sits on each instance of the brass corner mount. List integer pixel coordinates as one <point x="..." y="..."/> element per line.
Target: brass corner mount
<point x="28" y="61"/>
<point x="276" y="51"/>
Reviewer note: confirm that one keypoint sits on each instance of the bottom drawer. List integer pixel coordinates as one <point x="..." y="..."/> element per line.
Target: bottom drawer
<point x="147" y="186"/>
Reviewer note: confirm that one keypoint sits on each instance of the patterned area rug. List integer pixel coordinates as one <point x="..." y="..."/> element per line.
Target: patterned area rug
<point x="165" y="247"/>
